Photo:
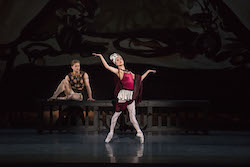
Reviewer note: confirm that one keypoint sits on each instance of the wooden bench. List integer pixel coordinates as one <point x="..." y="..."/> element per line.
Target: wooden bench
<point x="146" y="110"/>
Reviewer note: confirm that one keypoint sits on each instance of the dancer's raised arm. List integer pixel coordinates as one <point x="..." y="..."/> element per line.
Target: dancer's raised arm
<point x="146" y="73"/>
<point x="110" y="68"/>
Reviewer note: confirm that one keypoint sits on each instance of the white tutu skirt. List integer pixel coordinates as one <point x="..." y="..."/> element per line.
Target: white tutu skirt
<point x="125" y="95"/>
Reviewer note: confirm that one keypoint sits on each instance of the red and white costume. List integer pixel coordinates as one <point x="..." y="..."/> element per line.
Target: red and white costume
<point x="128" y="92"/>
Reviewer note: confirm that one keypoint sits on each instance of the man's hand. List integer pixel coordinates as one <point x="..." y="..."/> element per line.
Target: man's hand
<point x="90" y="99"/>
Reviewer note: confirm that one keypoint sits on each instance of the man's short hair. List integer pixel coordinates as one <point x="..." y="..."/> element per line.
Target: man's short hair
<point x="75" y="61"/>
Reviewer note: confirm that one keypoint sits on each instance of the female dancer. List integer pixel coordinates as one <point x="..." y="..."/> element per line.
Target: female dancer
<point x="127" y="90"/>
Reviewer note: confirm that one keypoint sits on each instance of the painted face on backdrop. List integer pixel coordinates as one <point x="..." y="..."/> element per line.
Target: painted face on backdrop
<point x="76" y="67"/>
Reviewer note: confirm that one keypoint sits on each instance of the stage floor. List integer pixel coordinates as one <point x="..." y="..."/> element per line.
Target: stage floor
<point x="25" y="146"/>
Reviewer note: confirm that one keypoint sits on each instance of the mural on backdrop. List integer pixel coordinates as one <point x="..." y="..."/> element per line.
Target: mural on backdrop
<point x="184" y="34"/>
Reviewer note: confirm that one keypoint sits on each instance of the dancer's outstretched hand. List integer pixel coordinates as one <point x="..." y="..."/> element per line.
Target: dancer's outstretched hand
<point x="97" y="55"/>
<point x="153" y="71"/>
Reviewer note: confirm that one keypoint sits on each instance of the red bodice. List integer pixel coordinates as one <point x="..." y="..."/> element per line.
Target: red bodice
<point x="127" y="81"/>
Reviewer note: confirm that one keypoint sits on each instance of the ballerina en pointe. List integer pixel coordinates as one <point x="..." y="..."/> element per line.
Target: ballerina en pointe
<point x="109" y="137"/>
<point x="141" y="136"/>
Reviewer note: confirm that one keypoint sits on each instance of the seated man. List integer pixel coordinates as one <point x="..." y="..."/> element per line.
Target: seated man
<point x="72" y="85"/>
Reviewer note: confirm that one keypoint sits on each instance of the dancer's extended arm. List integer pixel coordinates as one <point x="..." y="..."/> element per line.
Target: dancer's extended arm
<point x="110" y="68"/>
<point x="146" y="73"/>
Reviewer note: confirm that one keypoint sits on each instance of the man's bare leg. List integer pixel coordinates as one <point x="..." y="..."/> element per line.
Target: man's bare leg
<point x="76" y="96"/>
<point x="63" y="86"/>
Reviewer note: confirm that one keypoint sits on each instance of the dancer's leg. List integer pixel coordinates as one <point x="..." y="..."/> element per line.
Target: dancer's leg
<point x="132" y="114"/>
<point x="63" y="86"/>
<point x="112" y="126"/>
<point x="76" y="96"/>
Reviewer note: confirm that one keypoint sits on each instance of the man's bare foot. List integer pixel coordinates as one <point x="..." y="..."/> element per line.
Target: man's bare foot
<point x="52" y="98"/>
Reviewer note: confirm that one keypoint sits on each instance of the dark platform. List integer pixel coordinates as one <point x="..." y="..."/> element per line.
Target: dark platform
<point x="79" y="148"/>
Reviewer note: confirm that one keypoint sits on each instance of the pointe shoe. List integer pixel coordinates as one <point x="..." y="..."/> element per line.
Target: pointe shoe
<point x="140" y="135"/>
<point x="109" y="137"/>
